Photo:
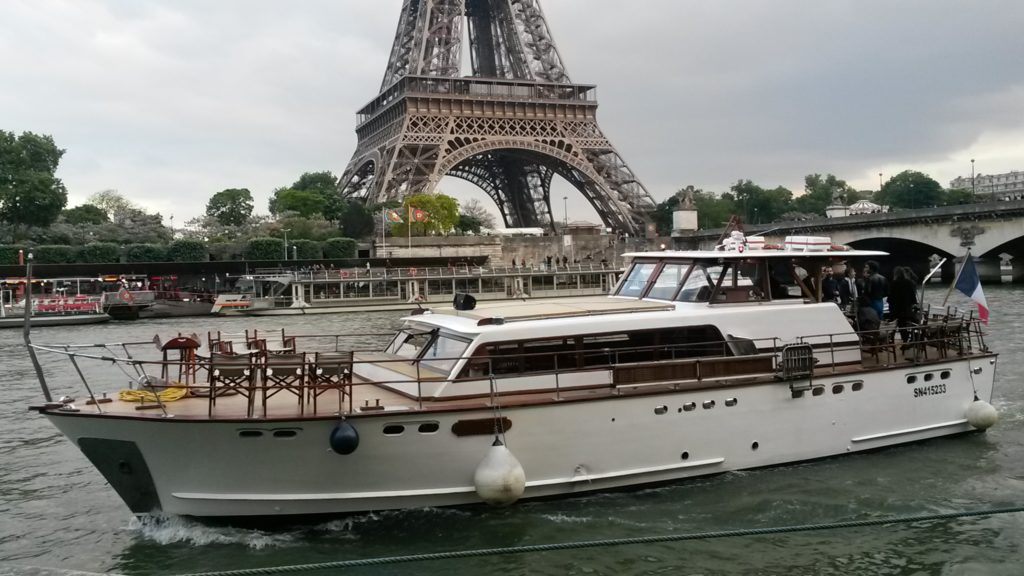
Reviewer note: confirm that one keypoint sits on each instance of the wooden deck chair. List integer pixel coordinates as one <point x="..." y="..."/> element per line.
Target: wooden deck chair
<point x="231" y="374"/>
<point x="331" y="371"/>
<point x="284" y="373"/>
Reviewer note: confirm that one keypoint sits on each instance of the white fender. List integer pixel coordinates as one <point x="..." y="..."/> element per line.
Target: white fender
<point x="499" y="478"/>
<point x="982" y="415"/>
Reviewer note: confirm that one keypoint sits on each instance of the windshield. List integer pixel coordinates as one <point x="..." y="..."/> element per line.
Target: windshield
<point x="444" y="352"/>
<point x="699" y="285"/>
<point x="408" y="342"/>
<point x="668" y="281"/>
<point x="634" y="285"/>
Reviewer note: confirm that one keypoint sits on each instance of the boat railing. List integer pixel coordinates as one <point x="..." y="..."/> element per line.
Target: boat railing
<point x="435" y="272"/>
<point x="621" y="369"/>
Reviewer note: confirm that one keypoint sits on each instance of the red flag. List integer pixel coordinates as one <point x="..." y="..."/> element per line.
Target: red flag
<point x="420" y="215"/>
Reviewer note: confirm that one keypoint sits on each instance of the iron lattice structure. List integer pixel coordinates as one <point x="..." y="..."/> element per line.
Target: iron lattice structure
<point x="509" y="128"/>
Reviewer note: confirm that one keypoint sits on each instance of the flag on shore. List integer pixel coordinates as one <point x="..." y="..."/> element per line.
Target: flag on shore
<point x="420" y="215"/>
<point x="969" y="283"/>
<point x="393" y="216"/>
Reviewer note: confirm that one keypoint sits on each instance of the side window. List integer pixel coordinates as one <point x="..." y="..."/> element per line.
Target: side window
<point x="637" y="280"/>
<point x="668" y="280"/>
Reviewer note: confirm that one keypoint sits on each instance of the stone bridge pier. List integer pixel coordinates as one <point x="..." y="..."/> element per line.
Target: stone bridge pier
<point x="993" y="232"/>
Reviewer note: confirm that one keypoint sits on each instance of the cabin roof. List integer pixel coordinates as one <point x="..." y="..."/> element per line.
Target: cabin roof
<point x="746" y="255"/>
<point x="539" y="309"/>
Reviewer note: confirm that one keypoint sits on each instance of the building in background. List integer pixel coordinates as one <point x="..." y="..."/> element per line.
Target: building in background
<point x="1006" y="186"/>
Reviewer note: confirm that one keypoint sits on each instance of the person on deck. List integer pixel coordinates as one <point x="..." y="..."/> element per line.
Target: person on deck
<point x="903" y="300"/>
<point x="876" y="287"/>
<point x="829" y="286"/>
<point x="848" y="288"/>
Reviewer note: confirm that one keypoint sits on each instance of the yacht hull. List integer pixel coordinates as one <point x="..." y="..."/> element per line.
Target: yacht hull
<point x="285" y="467"/>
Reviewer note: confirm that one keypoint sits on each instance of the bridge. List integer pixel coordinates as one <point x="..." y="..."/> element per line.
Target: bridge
<point x="993" y="231"/>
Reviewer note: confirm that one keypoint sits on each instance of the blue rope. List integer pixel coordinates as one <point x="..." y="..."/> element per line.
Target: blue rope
<point x="460" y="554"/>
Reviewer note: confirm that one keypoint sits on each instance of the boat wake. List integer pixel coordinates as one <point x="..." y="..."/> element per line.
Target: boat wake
<point x="166" y="530"/>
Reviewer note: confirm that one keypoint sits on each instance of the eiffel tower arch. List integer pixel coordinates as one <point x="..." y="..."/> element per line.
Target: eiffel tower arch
<point x="509" y="128"/>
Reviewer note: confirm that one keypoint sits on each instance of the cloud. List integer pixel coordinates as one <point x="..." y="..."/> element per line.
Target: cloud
<point x="169" y="102"/>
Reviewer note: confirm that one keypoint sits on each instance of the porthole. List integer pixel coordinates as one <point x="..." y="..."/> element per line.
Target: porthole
<point x="394" y="430"/>
<point x="818" y="391"/>
<point x="428" y="427"/>
<point x="929" y="377"/>
<point x="755" y="446"/>
<point x="285" y="433"/>
<point x="731" y="402"/>
<point x="837" y="389"/>
<point x="684" y="456"/>
<point x="708" y="404"/>
<point x="689" y="406"/>
<point x="250" y="433"/>
<point x="659" y="410"/>
<point x="945" y="374"/>
<point x="911" y="379"/>
<point x="857" y="386"/>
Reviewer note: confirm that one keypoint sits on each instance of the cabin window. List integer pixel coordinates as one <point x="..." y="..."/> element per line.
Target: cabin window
<point x="668" y="280"/>
<point x="700" y="284"/>
<point x="409" y="342"/>
<point x="635" y="283"/>
<point x="444" y="352"/>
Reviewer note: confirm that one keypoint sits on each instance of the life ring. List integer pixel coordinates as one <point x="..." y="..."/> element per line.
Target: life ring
<point x="344" y="273"/>
<point x="412" y="271"/>
<point x="125" y="296"/>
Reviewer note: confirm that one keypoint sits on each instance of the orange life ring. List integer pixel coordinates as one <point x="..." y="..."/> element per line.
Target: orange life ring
<point x="412" y="271"/>
<point x="344" y="273"/>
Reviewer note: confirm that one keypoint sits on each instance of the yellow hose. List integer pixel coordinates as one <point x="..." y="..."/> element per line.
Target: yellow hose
<point x="166" y="395"/>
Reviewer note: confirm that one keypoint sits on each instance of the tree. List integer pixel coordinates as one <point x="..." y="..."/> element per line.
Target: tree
<point x="117" y="207"/>
<point x="759" y="205"/>
<point x="818" y="194"/>
<point x="264" y="249"/>
<point x="302" y="202"/>
<point x="231" y="207"/>
<point x="957" y="196"/>
<point x="338" y="248"/>
<point x="468" y="224"/>
<point x="85" y="214"/>
<point x="188" y="250"/>
<point x="356" y="220"/>
<point x="911" y="189"/>
<point x="54" y="254"/>
<point x="476" y="210"/>
<point x="441" y="213"/>
<point x="99" y="253"/>
<point x="145" y="253"/>
<point x="30" y="193"/>
<point x="306" y="249"/>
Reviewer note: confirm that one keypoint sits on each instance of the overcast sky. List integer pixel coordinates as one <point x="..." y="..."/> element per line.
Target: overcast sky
<point x="170" y="101"/>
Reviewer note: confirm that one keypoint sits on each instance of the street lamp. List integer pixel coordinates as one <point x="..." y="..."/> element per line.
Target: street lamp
<point x="565" y="212"/>
<point x="286" y="231"/>
<point x="974" y="187"/>
<point x="879" y="181"/>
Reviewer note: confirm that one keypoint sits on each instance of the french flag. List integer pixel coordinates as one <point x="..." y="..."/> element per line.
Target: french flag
<point x="969" y="283"/>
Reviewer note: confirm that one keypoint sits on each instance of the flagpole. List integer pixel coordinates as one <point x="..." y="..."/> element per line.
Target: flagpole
<point x="409" y="222"/>
<point x="383" y="237"/>
<point x="956" y="278"/>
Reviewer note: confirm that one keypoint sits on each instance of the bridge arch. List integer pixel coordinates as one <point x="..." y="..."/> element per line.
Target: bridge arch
<point x="517" y="175"/>
<point x="919" y="256"/>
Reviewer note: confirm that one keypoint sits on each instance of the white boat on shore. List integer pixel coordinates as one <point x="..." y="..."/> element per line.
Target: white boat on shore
<point x="697" y="364"/>
<point x="58" y="311"/>
<point x="295" y="293"/>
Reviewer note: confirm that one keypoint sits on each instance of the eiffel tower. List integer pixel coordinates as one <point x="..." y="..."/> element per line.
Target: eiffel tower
<point x="508" y="128"/>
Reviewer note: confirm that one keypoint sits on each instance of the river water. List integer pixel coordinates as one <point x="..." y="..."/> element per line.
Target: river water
<point x="56" y="511"/>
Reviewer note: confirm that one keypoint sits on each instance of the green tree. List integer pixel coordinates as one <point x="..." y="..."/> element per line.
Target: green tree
<point x="9" y="254"/>
<point x="338" y="248"/>
<point x="85" y="214"/>
<point x="30" y="193"/>
<point x="911" y="189"/>
<point x="478" y="212"/>
<point x="306" y="249"/>
<point x="468" y="223"/>
<point x="117" y="208"/>
<point x="145" y="253"/>
<point x="264" y="249"/>
<point x="441" y="212"/>
<point x="188" y="250"/>
<point x="99" y="253"/>
<point x="302" y="202"/>
<point x="356" y="220"/>
<point x="957" y="196"/>
<point x="231" y="207"/>
<point x="758" y="205"/>
<point x="54" y="254"/>
<point x="818" y="194"/>
<point x="325" y="185"/>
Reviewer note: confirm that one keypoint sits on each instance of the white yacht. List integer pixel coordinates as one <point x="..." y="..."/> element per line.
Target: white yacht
<point x="699" y="363"/>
